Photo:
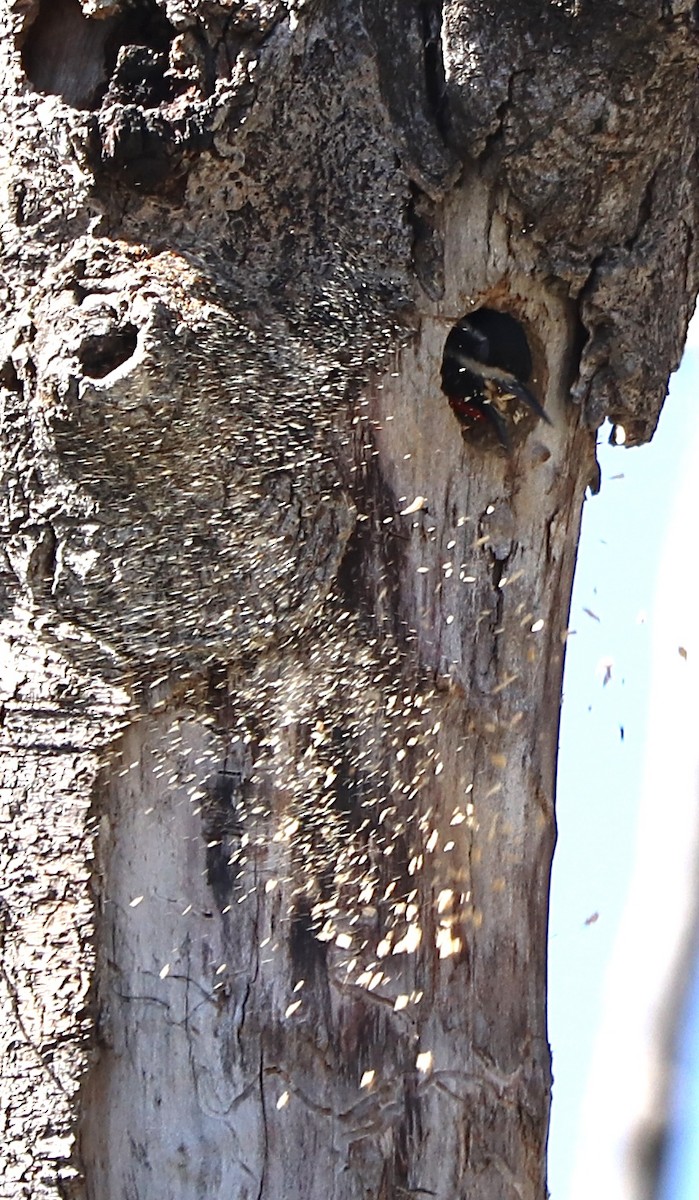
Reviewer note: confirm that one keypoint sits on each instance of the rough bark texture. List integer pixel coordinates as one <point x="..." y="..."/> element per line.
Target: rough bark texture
<point x="283" y="651"/>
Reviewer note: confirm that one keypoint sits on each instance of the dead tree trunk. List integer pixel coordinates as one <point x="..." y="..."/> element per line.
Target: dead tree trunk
<point x="283" y="637"/>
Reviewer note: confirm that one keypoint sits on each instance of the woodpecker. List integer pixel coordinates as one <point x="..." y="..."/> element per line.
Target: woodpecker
<point x="486" y="365"/>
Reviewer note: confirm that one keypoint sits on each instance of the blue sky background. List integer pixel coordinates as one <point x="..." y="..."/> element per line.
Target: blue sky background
<point x="680" y="1177"/>
<point x="627" y="660"/>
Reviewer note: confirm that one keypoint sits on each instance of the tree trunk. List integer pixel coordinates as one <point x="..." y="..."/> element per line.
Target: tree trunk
<point x="283" y="642"/>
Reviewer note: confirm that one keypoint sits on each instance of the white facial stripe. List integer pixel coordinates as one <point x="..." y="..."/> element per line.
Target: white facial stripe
<point x="485" y="371"/>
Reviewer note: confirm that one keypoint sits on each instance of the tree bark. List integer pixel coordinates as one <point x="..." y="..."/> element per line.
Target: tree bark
<point x="282" y="648"/>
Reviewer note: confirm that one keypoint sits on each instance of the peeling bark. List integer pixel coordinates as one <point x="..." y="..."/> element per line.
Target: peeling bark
<point x="283" y="650"/>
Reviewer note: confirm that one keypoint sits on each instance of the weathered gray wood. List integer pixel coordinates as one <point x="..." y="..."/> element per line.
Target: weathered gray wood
<point x="282" y="652"/>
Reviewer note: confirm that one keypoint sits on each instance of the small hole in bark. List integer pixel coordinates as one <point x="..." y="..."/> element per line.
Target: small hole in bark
<point x="8" y="376"/>
<point x="101" y="353"/>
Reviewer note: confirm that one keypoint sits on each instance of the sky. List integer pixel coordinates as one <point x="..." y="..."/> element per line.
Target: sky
<point x="627" y="794"/>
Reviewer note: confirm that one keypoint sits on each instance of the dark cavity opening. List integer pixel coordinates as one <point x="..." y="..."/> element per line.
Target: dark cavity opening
<point x="435" y="78"/>
<point x="101" y="353"/>
<point x="486" y="367"/>
<point x="489" y="338"/>
<point x="70" y="55"/>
